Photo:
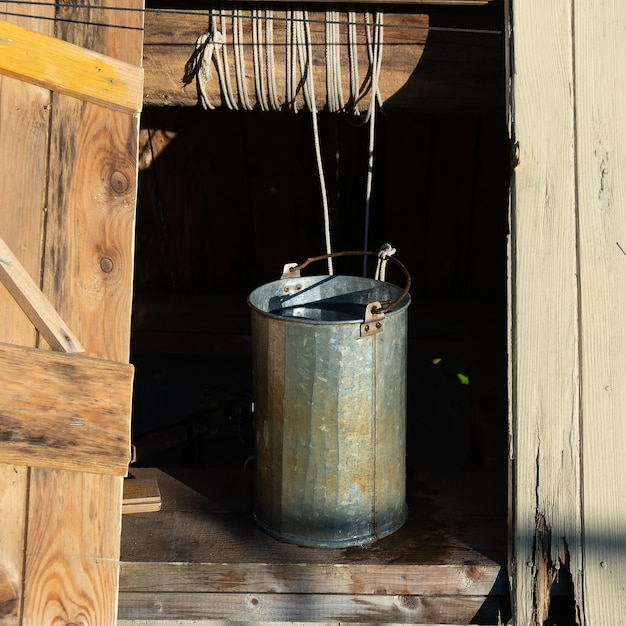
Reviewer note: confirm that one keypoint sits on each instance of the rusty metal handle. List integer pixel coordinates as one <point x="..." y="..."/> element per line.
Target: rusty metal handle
<point x="387" y="305"/>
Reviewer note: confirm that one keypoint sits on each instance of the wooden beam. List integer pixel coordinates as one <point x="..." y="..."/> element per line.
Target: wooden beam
<point x="458" y="64"/>
<point x="34" y="304"/>
<point x="66" y="412"/>
<point x="601" y="159"/>
<point x="545" y="349"/>
<point x="60" y="66"/>
<point x="252" y="607"/>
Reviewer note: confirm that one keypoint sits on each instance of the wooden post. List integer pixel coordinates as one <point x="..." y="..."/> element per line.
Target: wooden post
<point x="68" y="215"/>
<point x="23" y="140"/>
<point x="567" y="287"/>
<point x="600" y="89"/>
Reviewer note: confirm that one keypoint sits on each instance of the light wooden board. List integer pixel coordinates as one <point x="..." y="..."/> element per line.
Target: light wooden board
<point x="71" y="568"/>
<point x="600" y="89"/>
<point x="37" y="308"/>
<point x="65" y="411"/>
<point x="60" y="66"/>
<point x="568" y="338"/>
<point x="544" y="377"/>
<point x="141" y="495"/>
<point x="24" y="120"/>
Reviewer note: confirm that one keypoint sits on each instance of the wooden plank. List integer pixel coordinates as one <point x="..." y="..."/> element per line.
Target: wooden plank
<point x="179" y="622"/>
<point x="13" y="493"/>
<point x="457" y="65"/>
<point x="402" y="609"/>
<point x="24" y="123"/>
<point x="205" y="539"/>
<point x="34" y="304"/>
<point x="60" y="66"/>
<point x="72" y="548"/>
<point x="544" y="334"/>
<point x="601" y="158"/>
<point x="314" y="578"/>
<point x="141" y="495"/>
<point x="87" y="275"/>
<point x="67" y="412"/>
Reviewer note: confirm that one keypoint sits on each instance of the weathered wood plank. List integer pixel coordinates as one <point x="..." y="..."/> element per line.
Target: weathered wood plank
<point x="71" y="567"/>
<point x="24" y="121"/>
<point x="141" y="495"/>
<point x="13" y="494"/>
<point x="60" y="66"/>
<point x="544" y="333"/>
<point x="75" y="518"/>
<point x="205" y="539"/>
<point x="34" y="304"/>
<point x="316" y="578"/>
<point x="600" y="90"/>
<point x="321" y="607"/>
<point x="459" y="64"/>
<point x="68" y="412"/>
<point x="178" y="622"/>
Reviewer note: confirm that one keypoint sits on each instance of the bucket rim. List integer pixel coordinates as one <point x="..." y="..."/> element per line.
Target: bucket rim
<point x="402" y="303"/>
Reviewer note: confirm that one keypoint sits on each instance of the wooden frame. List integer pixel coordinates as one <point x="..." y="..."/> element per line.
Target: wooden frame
<point x="567" y="278"/>
<point x="68" y="215"/>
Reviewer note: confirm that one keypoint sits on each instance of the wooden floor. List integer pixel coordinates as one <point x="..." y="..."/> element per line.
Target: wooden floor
<point x="201" y="557"/>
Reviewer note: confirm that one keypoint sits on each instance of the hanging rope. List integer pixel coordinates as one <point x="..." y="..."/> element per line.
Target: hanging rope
<point x="211" y="51"/>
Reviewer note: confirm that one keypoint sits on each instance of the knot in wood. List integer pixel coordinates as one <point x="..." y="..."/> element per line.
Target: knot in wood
<point x="119" y="182"/>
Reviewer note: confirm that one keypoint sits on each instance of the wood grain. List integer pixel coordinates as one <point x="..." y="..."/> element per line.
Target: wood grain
<point x="34" y="304"/>
<point x="307" y="607"/>
<point x="545" y="374"/>
<point x="62" y="411"/>
<point x="13" y="494"/>
<point x="205" y="539"/>
<point x="71" y="573"/>
<point x="60" y="66"/>
<point x="428" y="70"/>
<point x="601" y="158"/>
<point x="71" y="565"/>
<point x="24" y="120"/>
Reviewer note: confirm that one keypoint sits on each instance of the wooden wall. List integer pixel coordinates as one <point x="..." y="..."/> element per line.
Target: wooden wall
<point x="568" y="278"/>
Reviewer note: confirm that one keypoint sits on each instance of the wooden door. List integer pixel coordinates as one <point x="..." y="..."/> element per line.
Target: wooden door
<point x="67" y="206"/>
<point x="568" y="289"/>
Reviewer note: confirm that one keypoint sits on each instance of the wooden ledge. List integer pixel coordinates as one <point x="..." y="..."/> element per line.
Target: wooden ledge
<point x="202" y="557"/>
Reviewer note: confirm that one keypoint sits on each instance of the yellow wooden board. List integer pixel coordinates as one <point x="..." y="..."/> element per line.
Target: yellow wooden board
<point x="64" y="67"/>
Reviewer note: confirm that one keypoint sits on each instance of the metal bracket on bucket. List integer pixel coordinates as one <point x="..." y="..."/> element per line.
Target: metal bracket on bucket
<point x="289" y="271"/>
<point x="373" y="322"/>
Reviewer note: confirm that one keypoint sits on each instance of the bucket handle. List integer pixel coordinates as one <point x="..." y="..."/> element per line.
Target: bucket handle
<point x="385" y="306"/>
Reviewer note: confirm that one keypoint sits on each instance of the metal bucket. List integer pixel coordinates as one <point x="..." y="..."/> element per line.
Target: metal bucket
<point x="329" y="369"/>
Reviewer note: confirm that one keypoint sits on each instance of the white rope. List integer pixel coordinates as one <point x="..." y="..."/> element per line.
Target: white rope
<point x="305" y="54"/>
<point x="240" y="67"/>
<point x="334" y="89"/>
<point x="385" y="252"/>
<point x="211" y="49"/>
<point x="354" y="65"/>
<point x="274" y="104"/>
<point x="375" y="55"/>
<point x="258" y="60"/>
<point x="214" y="52"/>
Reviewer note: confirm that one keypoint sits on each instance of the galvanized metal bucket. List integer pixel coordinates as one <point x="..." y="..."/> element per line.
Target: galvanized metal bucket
<point x="329" y="369"/>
